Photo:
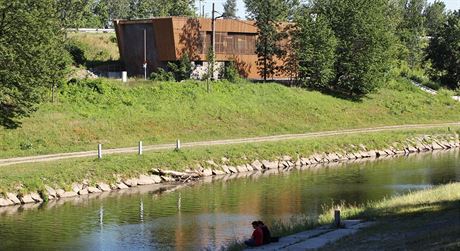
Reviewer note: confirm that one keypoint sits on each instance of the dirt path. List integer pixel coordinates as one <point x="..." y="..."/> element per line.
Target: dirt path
<point x="61" y="156"/>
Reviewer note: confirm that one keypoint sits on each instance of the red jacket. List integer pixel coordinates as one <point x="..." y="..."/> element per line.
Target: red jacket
<point x="258" y="236"/>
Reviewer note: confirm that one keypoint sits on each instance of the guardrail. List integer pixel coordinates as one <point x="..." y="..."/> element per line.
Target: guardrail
<point x="91" y="30"/>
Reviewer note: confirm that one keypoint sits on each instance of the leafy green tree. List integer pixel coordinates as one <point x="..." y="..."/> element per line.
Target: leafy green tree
<point x="109" y="10"/>
<point x="444" y="52"/>
<point x="71" y="12"/>
<point x="315" y="49"/>
<point x="268" y="16"/>
<point x="32" y="58"/>
<point x="101" y="11"/>
<point x="364" y="36"/>
<point x="155" y="8"/>
<point x="435" y="16"/>
<point x="411" y="30"/>
<point x="230" y="9"/>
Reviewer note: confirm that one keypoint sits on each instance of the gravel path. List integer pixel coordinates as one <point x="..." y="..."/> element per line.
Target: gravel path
<point x="61" y="156"/>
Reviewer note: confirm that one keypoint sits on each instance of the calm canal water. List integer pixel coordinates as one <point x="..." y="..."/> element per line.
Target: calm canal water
<point x="211" y="213"/>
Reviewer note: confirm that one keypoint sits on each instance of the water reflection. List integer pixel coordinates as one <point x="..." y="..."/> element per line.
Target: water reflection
<point x="216" y="210"/>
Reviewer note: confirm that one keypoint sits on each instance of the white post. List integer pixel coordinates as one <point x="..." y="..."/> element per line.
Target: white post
<point x="99" y="151"/>
<point x="178" y="144"/>
<point x="124" y="76"/>
<point x="140" y="148"/>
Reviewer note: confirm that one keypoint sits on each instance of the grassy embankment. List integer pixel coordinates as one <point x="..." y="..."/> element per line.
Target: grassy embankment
<point x="427" y="219"/>
<point x="97" y="48"/>
<point x="119" y="115"/>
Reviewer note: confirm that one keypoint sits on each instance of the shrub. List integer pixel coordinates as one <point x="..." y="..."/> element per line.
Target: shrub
<point x="181" y="69"/>
<point x="230" y="72"/>
<point x="162" y="75"/>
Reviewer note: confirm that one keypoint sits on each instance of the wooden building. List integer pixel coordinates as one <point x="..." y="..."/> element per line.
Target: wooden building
<point x="157" y="41"/>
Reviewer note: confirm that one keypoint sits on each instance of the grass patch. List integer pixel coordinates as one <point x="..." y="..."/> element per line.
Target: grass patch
<point x="118" y="115"/>
<point x="427" y="219"/>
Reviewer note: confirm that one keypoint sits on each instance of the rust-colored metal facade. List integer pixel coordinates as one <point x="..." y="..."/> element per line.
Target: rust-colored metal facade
<point x="167" y="38"/>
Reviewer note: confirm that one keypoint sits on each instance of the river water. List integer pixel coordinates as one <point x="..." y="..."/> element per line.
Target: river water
<point x="210" y="213"/>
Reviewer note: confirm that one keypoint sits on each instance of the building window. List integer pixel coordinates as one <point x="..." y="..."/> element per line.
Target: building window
<point x="231" y="43"/>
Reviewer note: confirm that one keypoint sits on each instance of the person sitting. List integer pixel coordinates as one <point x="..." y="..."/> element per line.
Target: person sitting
<point x="257" y="236"/>
<point x="266" y="233"/>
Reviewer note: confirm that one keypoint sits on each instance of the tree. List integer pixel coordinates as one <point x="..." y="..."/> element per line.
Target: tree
<point x="268" y="16"/>
<point x="315" y="46"/>
<point x="155" y="8"/>
<point x="435" y="16"/>
<point x="71" y="12"/>
<point x="444" y="52"/>
<point x="32" y="57"/>
<point x="364" y="36"/>
<point x="411" y="29"/>
<point x="230" y="9"/>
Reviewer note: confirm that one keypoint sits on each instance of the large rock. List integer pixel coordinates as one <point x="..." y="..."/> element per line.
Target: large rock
<point x="121" y="185"/>
<point x="156" y="178"/>
<point x="173" y="173"/>
<point x="13" y="197"/>
<point x="226" y="170"/>
<point x="59" y="192"/>
<point x="304" y="161"/>
<point x="69" y="194"/>
<point x="84" y="191"/>
<point x="27" y="199"/>
<point x="241" y="169"/>
<point x="218" y="172"/>
<point x="103" y="187"/>
<point x="50" y="191"/>
<point x="270" y="165"/>
<point x="412" y="149"/>
<point x="130" y="182"/>
<point x="207" y="172"/>
<point x="145" y="180"/>
<point x="36" y="197"/>
<point x="233" y="169"/>
<point x="167" y="179"/>
<point x="94" y="190"/>
<point x="77" y="187"/>
<point x="298" y="163"/>
<point x="5" y="202"/>
<point x="257" y="165"/>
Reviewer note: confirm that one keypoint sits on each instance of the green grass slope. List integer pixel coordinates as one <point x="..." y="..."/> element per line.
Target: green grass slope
<point x="114" y="114"/>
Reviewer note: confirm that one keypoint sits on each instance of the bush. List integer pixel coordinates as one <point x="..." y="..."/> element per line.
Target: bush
<point x="181" y="69"/>
<point x="162" y="75"/>
<point x="230" y="72"/>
